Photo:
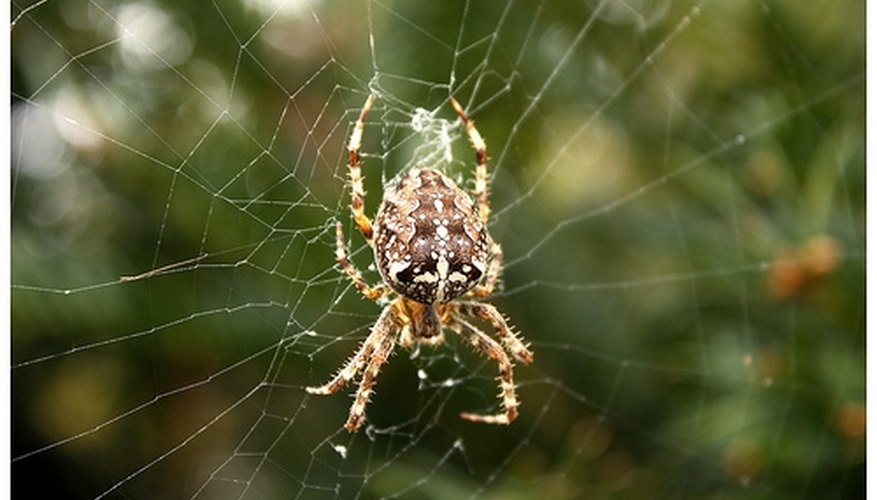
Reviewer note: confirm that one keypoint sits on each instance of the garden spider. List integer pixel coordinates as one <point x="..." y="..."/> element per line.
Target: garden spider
<point x="432" y="247"/>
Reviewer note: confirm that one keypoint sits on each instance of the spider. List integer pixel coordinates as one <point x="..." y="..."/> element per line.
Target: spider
<point x="434" y="253"/>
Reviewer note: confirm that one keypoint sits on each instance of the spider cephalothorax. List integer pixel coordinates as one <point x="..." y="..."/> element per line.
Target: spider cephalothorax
<point x="432" y="247"/>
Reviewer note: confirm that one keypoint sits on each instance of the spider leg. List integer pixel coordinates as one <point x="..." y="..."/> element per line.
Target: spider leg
<point x="350" y="369"/>
<point x="481" y="178"/>
<point x="490" y="314"/>
<point x="345" y="374"/>
<point x="494" y="351"/>
<point x="383" y="339"/>
<point x="370" y="292"/>
<point x="385" y="323"/>
<point x="493" y="272"/>
<point x="357" y="192"/>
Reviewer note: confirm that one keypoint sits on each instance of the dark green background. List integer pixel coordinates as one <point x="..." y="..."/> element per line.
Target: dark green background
<point x="678" y="187"/>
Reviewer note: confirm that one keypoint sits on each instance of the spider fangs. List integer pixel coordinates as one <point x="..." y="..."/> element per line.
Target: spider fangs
<point x="432" y="247"/>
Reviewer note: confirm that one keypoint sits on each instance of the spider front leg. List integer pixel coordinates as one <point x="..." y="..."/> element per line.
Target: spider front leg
<point x="481" y="189"/>
<point x="372" y="354"/>
<point x="490" y="314"/>
<point x="384" y="347"/>
<point x="494" y="351"/>
<point x="347" y="373"/>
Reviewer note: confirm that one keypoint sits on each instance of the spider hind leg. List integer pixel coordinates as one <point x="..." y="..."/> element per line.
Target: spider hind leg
<point x="354" y="164"/>
<point x="481" y="178"/>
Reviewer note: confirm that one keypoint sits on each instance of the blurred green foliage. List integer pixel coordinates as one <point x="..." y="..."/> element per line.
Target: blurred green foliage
<point x="679" y="189"/>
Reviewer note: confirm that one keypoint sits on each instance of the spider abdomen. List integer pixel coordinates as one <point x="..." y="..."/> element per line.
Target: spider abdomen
<point x="430" y="243"/>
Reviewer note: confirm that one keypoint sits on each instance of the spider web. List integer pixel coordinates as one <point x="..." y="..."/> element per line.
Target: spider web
<point x="678" y="188"/>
